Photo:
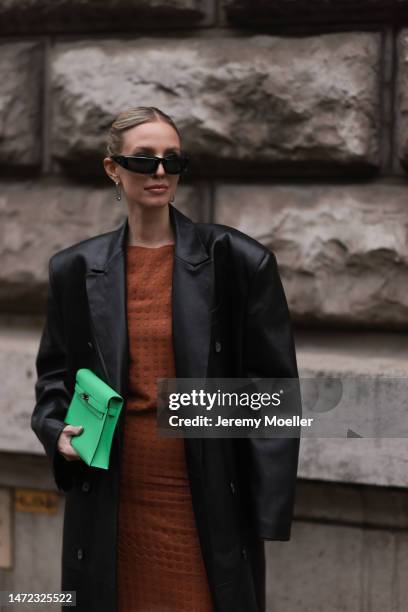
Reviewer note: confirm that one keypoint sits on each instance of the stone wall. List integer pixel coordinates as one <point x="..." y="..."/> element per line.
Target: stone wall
<point x="295" y="114"/>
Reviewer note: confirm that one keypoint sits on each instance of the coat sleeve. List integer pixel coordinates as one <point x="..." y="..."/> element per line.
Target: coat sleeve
<point x="52" y="397"/>
<point x="270" y="353"/>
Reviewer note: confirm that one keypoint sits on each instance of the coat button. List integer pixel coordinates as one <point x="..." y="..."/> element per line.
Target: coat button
<point x="90" y="345"/>
<point x="80" y="553"/>
<point x="86" y="487"/>
<point x="232" y="487"/>
<point x="244" y="553"/>
<point x="217" y="346"/>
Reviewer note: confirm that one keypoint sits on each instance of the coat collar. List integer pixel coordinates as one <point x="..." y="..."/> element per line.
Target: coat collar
<point x="188" y="244"/>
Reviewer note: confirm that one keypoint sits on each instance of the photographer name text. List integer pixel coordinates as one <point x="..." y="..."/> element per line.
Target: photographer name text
<point x="255" y="422"/>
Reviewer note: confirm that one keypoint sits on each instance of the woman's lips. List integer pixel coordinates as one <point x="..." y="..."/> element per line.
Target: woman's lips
<point x="156" y="189"/>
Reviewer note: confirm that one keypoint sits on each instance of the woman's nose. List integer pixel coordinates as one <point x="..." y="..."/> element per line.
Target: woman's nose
<point x="160" y="169"/>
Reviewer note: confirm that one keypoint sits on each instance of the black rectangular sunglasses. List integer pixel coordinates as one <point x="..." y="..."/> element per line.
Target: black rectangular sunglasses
<point x="148" y="164"/>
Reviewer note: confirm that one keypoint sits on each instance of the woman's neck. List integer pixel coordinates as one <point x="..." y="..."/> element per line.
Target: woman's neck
<point x="150" y="226"/>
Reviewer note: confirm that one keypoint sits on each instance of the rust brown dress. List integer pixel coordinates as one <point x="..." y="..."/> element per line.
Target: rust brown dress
<point x="160" y="565"/>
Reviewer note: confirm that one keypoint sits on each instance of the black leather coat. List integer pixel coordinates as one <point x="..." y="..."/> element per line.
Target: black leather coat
<point x="230" y="319"/>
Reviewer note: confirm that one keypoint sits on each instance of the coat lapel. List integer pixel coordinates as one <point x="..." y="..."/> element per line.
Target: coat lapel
<point x="192" y="295"/>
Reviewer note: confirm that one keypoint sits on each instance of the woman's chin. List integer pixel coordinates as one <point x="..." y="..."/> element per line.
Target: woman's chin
<point x="157" y="202"/>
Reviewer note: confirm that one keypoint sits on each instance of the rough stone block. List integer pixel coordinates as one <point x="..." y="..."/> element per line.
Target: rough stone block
<point x="401" y="97"/>
<point x="21" y="76"/>
<point x="243" y="106"/>
<point x="342" y="250"/>
<point x="38" y="218"/>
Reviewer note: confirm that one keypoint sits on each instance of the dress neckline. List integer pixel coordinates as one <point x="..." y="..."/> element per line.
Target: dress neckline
<point x="139" y="246"/>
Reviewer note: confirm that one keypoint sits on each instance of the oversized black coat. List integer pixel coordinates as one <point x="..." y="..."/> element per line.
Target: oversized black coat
<point x="230" y="319"/>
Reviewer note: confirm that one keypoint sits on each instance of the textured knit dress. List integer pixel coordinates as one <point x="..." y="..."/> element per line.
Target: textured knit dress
<point x="160" y="565"/>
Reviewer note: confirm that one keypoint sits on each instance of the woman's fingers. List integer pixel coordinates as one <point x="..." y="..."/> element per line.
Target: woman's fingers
<point x="64" y="442"/>
<point x="73" y="429"/>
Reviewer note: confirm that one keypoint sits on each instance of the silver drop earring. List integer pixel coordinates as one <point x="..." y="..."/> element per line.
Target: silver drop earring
<point x="172" y="200"/>
<point x="118" y="193"/>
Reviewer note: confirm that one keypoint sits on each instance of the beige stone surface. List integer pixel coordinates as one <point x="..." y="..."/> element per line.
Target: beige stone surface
<point x="337" y="568"/>
<point x="40" y="217"/>
<point x="249" y="106"/>
<point x="401" y="99"/>
<point x="343" y="503"/>
<point x="21" y="76"/>
<point x="342" y="249"/>
<point x="375" y="461"/>
<point x="348" y="551"/>
<point x="36" y="536"/>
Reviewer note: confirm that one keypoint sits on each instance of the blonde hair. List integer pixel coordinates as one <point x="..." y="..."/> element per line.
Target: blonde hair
<point x="130" y="118"/>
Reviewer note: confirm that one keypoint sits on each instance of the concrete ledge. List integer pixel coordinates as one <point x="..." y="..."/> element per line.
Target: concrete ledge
<point x="354" y="460"/>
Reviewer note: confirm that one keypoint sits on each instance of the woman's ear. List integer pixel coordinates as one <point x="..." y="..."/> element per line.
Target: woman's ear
<point x="110" y="168"/>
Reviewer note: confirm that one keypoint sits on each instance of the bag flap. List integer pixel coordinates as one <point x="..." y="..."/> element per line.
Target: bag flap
<point x="96" y="388"/>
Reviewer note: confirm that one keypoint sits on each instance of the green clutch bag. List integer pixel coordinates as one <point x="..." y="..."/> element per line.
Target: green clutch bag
<point x="95" y="406"/>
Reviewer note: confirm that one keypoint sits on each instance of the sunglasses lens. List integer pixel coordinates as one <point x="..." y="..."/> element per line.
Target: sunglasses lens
<point x="144" y="165"/>
<point x="175" y="165"/>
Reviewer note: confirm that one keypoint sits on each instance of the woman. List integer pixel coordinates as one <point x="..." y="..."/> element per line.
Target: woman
<point x="174" y="524"/>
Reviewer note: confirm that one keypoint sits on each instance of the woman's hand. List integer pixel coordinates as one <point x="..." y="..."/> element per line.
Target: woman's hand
<point x="64" y="442"/>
